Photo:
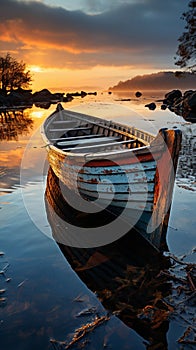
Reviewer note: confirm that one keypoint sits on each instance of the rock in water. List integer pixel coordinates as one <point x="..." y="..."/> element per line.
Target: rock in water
<point x="152" y="106"/>
<point x="138" y="94"/>
<point x="171" y="96"/>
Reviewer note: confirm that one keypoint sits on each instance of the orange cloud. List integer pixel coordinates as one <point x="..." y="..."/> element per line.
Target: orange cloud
<point x="123" y="35"/>
<point x="18" y="31"/>
<point x="115" y="44"/>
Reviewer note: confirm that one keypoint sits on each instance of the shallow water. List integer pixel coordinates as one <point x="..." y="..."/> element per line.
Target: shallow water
<point x="43" y="295"/>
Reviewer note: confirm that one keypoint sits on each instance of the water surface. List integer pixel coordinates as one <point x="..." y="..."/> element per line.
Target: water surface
<point x="43" y="295"/>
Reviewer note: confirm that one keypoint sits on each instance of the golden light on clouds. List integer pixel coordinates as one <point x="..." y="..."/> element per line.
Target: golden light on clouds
<point x="97" y="48"/>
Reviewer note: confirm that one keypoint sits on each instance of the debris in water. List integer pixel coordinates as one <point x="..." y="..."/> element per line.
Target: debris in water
<point x="79" y="299"/>
<point x="188" y="337"/>
<point x="90" y="311"/>
<point x="2" y="291"/>
<point x="21" y="284"/>
<point x="81" y="332"/>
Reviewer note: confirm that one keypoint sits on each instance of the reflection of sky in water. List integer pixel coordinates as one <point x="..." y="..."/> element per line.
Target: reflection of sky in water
<point x="181" y="232"/>
<point x="44" y="303"/>
<point x="40" y="297"/>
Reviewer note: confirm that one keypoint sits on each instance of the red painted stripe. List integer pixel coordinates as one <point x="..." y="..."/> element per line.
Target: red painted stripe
<point x="105" y="162"/>
<point x="131" y="160"/>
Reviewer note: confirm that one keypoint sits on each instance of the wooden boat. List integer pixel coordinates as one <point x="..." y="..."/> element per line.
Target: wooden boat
<point x="116" y="167"/>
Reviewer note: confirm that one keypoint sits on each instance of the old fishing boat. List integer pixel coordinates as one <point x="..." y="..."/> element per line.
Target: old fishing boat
<point x="114" y="167"/>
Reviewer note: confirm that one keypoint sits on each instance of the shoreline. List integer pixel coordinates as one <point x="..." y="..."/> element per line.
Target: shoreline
<point x="182" y="103"/>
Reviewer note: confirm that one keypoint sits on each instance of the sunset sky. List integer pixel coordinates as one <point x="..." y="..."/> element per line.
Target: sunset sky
<point x="91" y="44"/>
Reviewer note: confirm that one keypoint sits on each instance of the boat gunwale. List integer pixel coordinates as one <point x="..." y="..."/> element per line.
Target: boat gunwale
<point x="51" y="116"/>
<point x="98" y="155"/>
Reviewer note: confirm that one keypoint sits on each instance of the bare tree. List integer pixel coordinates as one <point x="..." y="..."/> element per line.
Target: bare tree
<point x="187" y="41"/>
<point x="13" y="74"/>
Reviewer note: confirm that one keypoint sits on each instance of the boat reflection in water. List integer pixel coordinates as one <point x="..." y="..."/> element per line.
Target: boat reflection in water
<point x="123" y="274"/>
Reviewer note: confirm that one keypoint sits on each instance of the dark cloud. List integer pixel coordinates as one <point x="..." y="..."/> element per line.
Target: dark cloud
<point x="127" y="32"/>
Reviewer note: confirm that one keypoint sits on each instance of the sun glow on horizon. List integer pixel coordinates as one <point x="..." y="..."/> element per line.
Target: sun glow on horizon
<point x="97" y="78"/>
<point x="36" y="69"/>
<point x="37" y="114"/>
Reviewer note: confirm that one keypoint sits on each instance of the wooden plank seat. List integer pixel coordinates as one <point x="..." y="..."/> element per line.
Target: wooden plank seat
<point x="69" y="138"/>
<point x="65" y="121"/>
<point x="86" y="142"/>
<point x="64" y="130"/>
<point x="99" y="147"/>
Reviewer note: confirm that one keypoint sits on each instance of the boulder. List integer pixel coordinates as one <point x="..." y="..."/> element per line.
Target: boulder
<point x="46" y="96"/>
<point x="185" y="105"/>
<point x="190" y="102"/>
<point x="42" y="96"/>
<point x="190" y="116"/>
<point x="171" y="96"/>
<point x="177" y="108"/>
<point x="138" y="94"/>
<point x="188" y="93"/>
<point x="152" y="106"/>
<point x="83" y="94"/>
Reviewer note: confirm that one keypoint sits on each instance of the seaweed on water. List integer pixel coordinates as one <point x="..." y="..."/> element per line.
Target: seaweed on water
<point x="80" y="333"/>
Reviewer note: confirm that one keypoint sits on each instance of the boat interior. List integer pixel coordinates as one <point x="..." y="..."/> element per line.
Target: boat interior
<point x="78" y="135"/>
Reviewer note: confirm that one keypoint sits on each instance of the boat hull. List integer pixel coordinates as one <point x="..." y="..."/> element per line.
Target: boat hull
<point x="134" y="184"/>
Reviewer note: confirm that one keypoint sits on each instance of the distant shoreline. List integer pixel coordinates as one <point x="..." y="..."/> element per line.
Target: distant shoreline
<point x="167" y="80"/>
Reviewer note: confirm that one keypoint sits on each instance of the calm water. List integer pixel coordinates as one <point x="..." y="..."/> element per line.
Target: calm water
<point x="42" y="297"/>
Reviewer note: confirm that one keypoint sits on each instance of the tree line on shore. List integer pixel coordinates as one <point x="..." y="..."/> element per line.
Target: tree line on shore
<point x="15" y="81"/>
